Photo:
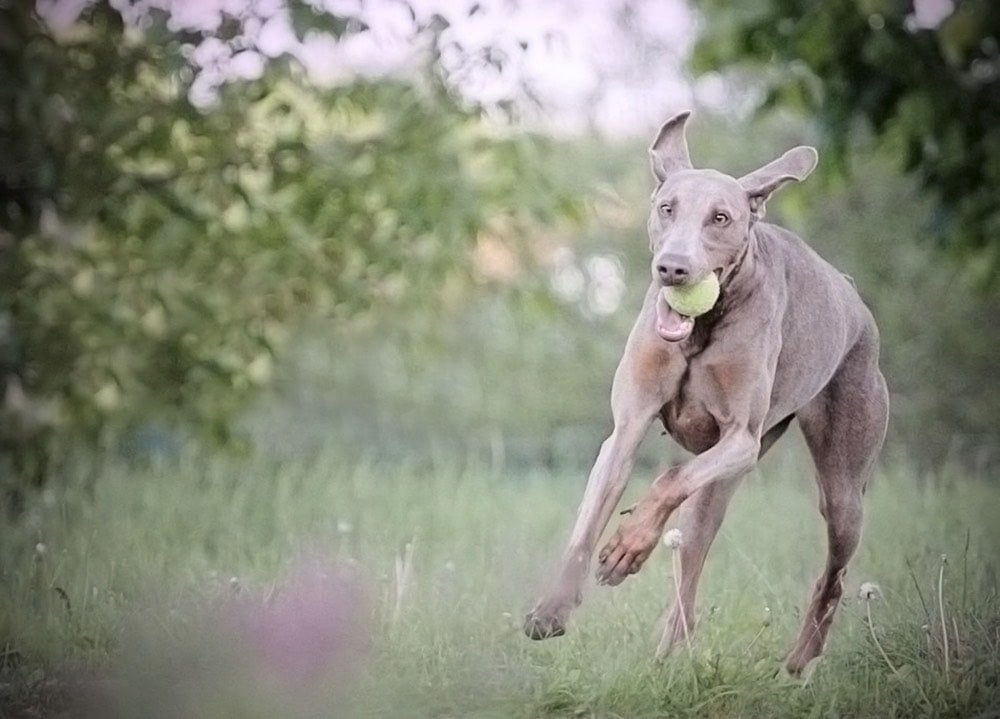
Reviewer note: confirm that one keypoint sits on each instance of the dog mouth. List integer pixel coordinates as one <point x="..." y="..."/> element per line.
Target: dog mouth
<point x="671" y="325"/>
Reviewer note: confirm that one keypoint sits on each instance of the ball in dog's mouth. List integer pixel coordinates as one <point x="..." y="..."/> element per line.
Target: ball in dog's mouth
<point x="678" y="305"/>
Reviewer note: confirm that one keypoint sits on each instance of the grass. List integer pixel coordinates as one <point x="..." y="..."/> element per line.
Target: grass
<point x="150" y="580"/>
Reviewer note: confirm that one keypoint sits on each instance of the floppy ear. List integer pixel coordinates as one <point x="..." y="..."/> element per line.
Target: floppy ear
<point x="669" y="151"/>
<point x="796" y="164"/>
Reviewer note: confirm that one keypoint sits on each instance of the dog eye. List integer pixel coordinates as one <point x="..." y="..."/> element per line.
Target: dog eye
<point x="721" y="218"/>
<point x="666" y="210"/>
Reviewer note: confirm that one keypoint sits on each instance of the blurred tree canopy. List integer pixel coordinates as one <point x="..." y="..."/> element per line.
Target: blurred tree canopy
<point x="154" y="257"/>
<point x="924" y="75"/>
<point x="523" y="383"/>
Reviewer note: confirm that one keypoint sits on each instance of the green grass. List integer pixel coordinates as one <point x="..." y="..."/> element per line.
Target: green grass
<point x="139" y="573"/>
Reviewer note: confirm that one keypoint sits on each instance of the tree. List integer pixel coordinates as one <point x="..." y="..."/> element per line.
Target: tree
<point x="155" y="257"/>
<point x="925" y="77"/>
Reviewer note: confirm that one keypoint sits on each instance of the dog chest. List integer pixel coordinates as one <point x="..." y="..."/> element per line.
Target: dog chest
<point x="690" y="424"/>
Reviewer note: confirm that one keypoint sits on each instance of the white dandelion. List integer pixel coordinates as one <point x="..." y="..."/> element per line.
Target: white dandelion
<point x="673" y="538"/>
<point x="869" y="590"/>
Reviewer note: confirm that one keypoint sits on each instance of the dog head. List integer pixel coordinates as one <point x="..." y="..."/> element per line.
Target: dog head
<point x="700" y="219"/>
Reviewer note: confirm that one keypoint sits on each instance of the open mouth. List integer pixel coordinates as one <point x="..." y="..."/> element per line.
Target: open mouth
<point x="671" y="325"/>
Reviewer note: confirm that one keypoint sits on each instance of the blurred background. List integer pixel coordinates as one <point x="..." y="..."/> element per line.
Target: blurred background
<point x="409" y="229"/>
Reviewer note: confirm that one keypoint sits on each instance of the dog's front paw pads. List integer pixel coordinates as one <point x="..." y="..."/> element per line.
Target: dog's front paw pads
<point x="622" y="556"/>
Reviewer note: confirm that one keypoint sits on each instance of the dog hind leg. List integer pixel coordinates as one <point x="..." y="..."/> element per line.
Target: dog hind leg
<point x="844" y="428"/>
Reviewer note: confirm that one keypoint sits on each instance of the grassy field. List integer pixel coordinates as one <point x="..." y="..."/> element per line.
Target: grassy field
<point x="209" y="587"/>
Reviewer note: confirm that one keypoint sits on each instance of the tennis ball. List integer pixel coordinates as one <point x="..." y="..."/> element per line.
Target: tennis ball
<point x="693" y="300"/>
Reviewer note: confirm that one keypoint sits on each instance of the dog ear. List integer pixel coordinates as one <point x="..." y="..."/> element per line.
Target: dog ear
<point x="796" y="164"/>
<point x="669" y="151"/>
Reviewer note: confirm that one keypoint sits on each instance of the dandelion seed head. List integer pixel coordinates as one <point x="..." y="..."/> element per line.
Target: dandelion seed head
<point x="673" y="538"/>
<point x="41" y="548"/>
<point x="869" y="591"/>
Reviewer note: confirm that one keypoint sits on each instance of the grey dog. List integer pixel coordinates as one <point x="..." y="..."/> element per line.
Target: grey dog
<point x="789" y="338"/>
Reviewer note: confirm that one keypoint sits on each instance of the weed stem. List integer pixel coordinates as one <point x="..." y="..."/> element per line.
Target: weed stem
<point x="944" y="623"/>
<point x="871" y="628"/>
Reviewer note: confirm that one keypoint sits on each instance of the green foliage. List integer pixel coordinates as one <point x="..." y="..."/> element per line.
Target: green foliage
<point x="932" y="94"/>
<point x="525" y="374"/>
<point x="156" y="258"/>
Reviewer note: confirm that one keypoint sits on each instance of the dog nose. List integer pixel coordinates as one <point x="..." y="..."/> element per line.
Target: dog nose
<point x="672" y="271"/>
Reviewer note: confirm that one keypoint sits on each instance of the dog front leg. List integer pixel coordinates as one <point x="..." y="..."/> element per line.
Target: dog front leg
<point x="636" y="398"/>
<point x="631" y="545"/>
<point x="605" y="485"/>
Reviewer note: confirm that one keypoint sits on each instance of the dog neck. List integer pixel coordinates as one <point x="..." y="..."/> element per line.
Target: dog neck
<point x="744" y="257"/>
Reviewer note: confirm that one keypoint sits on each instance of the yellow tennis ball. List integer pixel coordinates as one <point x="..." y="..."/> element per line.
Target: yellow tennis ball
<point x="693" y="300"/>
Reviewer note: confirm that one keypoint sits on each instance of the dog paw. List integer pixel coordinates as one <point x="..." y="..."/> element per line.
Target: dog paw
<point x="797" y="664"/>
<point x="545" y="624"/>
<point x="624" y="555"/>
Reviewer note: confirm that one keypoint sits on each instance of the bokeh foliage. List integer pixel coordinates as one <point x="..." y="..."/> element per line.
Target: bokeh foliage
<point x="524" y="378"/>
<point x="156" y="257"/>
<point x="928" y="88"/>
<point x="160" y="262"/>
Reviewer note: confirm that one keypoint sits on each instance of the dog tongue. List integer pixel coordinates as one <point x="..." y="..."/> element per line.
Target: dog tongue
<point x="671" y="325"/>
